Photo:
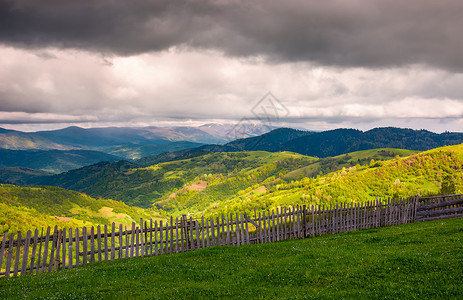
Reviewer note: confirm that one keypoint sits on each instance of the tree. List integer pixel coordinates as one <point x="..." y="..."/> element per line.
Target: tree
<point x="447" y="186"/>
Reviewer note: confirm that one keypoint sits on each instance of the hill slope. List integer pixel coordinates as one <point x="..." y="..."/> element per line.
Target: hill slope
<point x="142" y="186"/>
<point x="24" y="208"/>
<point x="432" y="172"/>
<point x="54" y="161"/>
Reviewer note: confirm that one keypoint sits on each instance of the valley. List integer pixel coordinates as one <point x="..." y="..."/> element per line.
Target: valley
<point x="204" y="181"/>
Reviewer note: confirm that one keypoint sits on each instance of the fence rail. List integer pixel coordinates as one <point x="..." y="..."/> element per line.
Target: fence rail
<point x="35" y="253"/>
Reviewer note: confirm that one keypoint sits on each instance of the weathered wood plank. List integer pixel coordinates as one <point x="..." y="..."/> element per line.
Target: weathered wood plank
<point x="219" y="240"/>
<point x="264" y="230"/>
<point x="137" y="242"/>
<point x="70" y="247"/>
<point x="203" y="242"/>
<point x="59" y="243"/>
<point x="64" y="249"/>
<point x="98" y="236"/>
<point x="105" y="242"/>
<point x="192" y="238"/>
<point x="151" y="237"/>
<point x="77" y="242"/>
<point x="34" y="249"/>
<point x="2" y="249"/>
<point x="213" y="233"/>
<point x="207" y="233"/>
<point x="247" y="233"/>
<point x="441" y="204"/>
<point x="228" y="231"/>
<point x="242" y="230"/>
<point x="92" y="244"/>
<point x="198" y="241"/>
<point x="223" y="237"/>
<point x="430" y="213"/>
<point x="440" y="217"/>
<point x="239" y="230"/>
<point x="45" y="251"/>
<point x="156" y="250"/>
<point x="121" y="240"/>
<point x="141" y="238"/>
<point x="127" y="243"/>
<point x="132" y="240"/>
<point x="113" y="241"/>
<point x="18" y="251"/>
<point x="25" y="253"/>
<point x="39" y="261"/>
<point x="171" y="235"/>
<point x="176" y="236"/>
<point x="9" y="256"/>
<point x="84" y="246"/>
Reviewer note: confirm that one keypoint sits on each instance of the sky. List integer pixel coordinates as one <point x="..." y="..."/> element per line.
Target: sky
<point x="308" y="64"/>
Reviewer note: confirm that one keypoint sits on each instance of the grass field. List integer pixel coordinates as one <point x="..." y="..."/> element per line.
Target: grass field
<point x="414" y="261"/>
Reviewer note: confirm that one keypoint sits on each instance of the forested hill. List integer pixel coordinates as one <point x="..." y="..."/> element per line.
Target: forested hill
<point x="54" y="161"/>
<point x="340" y="141"/>
<point x="321" y="144"/>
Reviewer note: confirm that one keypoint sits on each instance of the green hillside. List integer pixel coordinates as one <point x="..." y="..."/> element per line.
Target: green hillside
<point x="143" y="186"/>
<point x="331" y="164"/>
<point x="244" y="190"/>
<point x="218" y="183"/>
<point x="24" y="208"/>
<point x="20" y="175"/>
<point x="413" y="261"/>
<point x="432" y="172"/>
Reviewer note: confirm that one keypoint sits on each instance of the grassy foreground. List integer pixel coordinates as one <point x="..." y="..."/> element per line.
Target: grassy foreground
<point x="415" y="261"/>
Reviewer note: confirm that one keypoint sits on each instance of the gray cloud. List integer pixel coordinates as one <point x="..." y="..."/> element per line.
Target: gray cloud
<point x="379" y="33"/>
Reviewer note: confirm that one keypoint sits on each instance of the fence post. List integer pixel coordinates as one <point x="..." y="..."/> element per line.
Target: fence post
<point x="59" y="243"/>
<point x="415" y="208"/>
<point x="304" y="221"/>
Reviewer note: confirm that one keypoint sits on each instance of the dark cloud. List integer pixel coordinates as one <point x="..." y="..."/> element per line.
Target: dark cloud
<point x="366" y="33"/>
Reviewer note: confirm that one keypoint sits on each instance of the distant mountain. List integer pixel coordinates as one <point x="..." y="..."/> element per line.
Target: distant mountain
<point x="321" y="144"/>
<point x="133" y="152"/>
<point x="54" y="161"/>
<point x="271" y="141"/>
<point x="101" y="138"/>
<point x="340" y="141"/>
<point x="17" y="140"/>
<point x="20" y="175"/>
<point x="96" y="137"/>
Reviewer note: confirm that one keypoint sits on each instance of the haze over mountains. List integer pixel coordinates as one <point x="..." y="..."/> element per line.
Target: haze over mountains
<point x="82" y="138"/>
<point x="74" y="147"/>
<point x="152" y="145"/>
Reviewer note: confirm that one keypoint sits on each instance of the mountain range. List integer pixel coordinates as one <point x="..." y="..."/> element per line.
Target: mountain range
<point x="96" y="138"/>
<point x="53" y="161"/>
<point x="321" y="144"/>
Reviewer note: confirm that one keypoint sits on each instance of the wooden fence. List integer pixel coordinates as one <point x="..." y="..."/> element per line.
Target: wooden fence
<point x="35" y="253"/>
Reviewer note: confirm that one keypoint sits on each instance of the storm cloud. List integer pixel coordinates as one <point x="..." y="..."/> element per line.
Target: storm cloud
<point x="355" y="33"/>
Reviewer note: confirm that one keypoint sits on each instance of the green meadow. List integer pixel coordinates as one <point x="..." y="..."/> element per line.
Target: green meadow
<point x="414" y="261"/>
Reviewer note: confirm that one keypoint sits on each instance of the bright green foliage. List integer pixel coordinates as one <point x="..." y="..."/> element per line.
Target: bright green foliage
<point x="414" y="261"/>
<point x="330" y="164"/>
<point x="24" y="208"/>
<point x="142" y="187"/>
<point x="419" y="174"/>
